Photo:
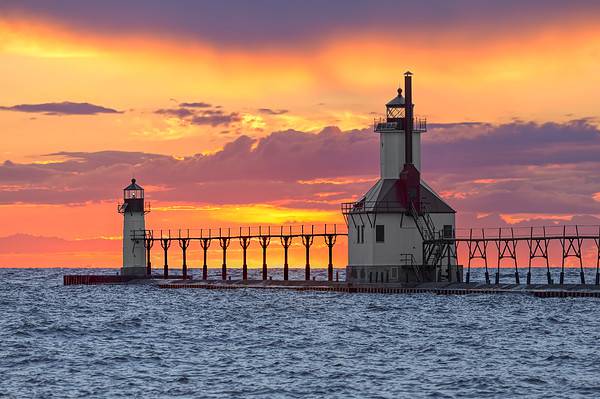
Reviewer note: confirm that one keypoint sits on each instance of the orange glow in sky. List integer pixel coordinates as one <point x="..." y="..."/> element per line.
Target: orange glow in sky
<point x="538" y="74"/>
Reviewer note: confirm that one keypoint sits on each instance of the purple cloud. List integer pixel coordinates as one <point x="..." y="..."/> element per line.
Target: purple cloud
<point x="181" y="113"/>
<point x="195" y="105"/>
<point x="283" y="23"/>
<point x="269" y="111"/>
<point x="512" y="168"/>
<point x="63" y="108"/>
<point x="201" y="114"/>
<point x="215" y="118"/>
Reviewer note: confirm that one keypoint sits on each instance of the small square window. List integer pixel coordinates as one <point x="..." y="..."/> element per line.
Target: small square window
<point x="379" y="233"/>
<point x="448" y="233"/>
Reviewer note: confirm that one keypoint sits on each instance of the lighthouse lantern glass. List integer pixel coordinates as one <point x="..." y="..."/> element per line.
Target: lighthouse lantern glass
<point x="134" y="193"/>
<point x="395" y="112"/>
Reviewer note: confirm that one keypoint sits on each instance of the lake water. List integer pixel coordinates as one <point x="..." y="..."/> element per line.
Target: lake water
<point x="140" y="341"/>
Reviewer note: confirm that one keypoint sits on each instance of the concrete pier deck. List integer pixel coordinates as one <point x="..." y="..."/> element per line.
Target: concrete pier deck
<point x="537" y="290"/>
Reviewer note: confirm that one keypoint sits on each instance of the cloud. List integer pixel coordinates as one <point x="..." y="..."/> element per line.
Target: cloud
<point x="195" y="105"/>
<point x="215" y="118"/>
<point x="284" y="23"/>
<point x="181" y="113"/>
<point x="512" y="169"/>
<point x="269" y="111"/>
<point x="201" y="114"/>
<point x="63" y="108"/>
<point x="246" y="170"/>
<point x="517" y="143"/>
<point x="545" y="168"/>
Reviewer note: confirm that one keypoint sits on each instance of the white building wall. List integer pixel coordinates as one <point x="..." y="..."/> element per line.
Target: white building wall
<point x="392" y="153"/>
<point x="359" y="253"/>
<point x="134" y="254"/>
<point x="401" y="237"/>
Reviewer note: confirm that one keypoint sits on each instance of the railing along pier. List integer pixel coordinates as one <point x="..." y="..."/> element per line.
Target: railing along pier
<point x="510" y="244"/>
<point x="244" y="236"/>
<point x="538" y="240"/>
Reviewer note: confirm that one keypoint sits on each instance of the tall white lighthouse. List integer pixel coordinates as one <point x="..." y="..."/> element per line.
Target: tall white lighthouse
<point x="134" y="211"/>
<point x="392" y="229"/>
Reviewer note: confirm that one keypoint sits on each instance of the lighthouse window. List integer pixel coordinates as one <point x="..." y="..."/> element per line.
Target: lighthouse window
<point x="134" y="194"/>
<point x="379" y="233"/>
<point x="360" y="234"/>
<point x="448" y="231"/>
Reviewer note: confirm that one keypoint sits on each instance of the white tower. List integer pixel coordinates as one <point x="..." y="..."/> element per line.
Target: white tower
<point x="392" y="227"/>
<point x="133" y="210"/>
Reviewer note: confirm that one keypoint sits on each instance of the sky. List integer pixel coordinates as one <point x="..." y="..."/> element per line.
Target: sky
<point x="237" y="113"/>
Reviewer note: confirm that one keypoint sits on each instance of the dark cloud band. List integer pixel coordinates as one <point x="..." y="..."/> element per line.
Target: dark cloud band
<point x="62" y="108"/>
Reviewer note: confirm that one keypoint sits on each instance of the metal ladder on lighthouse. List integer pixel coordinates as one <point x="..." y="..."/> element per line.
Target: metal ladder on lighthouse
<point x="427" y="231"/>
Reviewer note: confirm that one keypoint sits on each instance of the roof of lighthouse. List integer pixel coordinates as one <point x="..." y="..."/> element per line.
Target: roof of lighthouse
<point x="389" y="191"/>
<point x="396" y="101"/>
<point x="133" y="186"/>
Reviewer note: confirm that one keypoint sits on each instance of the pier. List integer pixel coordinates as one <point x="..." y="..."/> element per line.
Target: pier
<point x="244" y="236"/>
<point x="492" y="248"/>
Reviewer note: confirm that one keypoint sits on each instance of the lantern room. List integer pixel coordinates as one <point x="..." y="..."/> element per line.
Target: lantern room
<point x="133" y="199"/>
<point x="395" y="108"/>
<point x="133" y="191"/>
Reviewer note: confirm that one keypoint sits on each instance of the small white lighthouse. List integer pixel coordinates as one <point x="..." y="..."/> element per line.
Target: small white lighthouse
<point x="395" y="230"/>
<point x="134" y="211"/>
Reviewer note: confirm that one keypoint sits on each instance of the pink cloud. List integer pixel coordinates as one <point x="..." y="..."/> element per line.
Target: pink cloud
<point x="516" y="168"/>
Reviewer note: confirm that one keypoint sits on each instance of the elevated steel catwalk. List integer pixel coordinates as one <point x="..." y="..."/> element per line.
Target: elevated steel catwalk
<point x="571" y="238"/>
<point x="244" y="235"/>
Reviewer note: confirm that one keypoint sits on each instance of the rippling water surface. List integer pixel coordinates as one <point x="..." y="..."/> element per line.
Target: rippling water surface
<point x="140" y="341"/>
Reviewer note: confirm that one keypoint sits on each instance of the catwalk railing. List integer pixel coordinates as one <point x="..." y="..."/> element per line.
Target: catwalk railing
<point x="244" y="236"/>
<point x="508" y="246"/>
<point x="383" y="125"/>
<point x="507" y="242"/>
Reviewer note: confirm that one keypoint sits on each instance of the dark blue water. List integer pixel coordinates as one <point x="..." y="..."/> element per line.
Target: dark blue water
<point x="140" y="341"/>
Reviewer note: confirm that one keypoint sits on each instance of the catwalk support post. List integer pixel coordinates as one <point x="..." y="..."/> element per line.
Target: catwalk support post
<point x="286" y="241"/>
<point x="184" y="243"/>
<point x="264" y="241"/>
<point x="224" y="243"/>
<point x="330" y="242"/>
<point x="165" y="243"/>
<point x="307" y="240"/>
<point x="148" y="244"/>
<point x="478" y="250"/>
<point x="538" y="248"/>
<point x="244" y="243"/>
<point x="205" y="244"/>
<point x="571" y="247"/>
<point x="507" y="249"/>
